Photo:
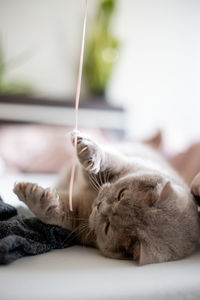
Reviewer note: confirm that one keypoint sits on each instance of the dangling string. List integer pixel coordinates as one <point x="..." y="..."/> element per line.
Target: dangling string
<point x="78" y="89"/>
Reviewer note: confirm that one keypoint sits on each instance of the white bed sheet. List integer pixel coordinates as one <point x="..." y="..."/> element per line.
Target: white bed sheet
<point x="82" y="273"/>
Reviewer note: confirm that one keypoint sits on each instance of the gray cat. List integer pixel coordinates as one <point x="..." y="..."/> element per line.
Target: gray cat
<point x="127" y="201"/>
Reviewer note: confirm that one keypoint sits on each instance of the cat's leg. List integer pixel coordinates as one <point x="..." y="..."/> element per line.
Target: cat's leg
<point x="94" y="159"/>
<point x="90" y="154"/>
<point x="44" y="203"/>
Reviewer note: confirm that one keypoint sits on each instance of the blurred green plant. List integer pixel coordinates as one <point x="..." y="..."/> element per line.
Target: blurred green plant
<point x="102" y="50"/>
<point x="12" y="86"/>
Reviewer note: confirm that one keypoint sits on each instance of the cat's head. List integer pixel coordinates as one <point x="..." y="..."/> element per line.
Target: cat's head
<point x="145" y="218"/>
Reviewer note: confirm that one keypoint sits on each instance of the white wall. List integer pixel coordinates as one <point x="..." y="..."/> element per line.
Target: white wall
<point x="157" y="76"/>
<point x="49" y="32"/>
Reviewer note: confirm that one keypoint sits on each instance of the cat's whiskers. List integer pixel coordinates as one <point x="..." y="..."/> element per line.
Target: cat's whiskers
<point x="95" y="180"/>
<point x="100" y="178"/>
<point x="70" y="235"/>
<point x="93" y="183"/>
<point x="96" y="185"/>
<point x="103" y="176"/>
<point x="77" y="218"/>
<point x="90" y="232"/>
<point x="99" y="184"/>
<point x="82" y="229"/>
<point x="78" y="231"/>
<point x="106" y="176"/>
<point x="109" y="173"/>
<point x="87" y="232"/>
<point x="81" y="226"/>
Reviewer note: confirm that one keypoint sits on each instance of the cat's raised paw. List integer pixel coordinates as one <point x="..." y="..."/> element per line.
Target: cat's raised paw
<point x="76" y="134"/>
<point x="88" y="152"/>
<point x="36" y="197"/>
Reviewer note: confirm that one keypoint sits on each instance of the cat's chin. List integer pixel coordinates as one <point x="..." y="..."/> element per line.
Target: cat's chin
<point x="112" y="254"/>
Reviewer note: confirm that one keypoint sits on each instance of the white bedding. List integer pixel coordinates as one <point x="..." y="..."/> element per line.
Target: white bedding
<point x="82" y="273"/>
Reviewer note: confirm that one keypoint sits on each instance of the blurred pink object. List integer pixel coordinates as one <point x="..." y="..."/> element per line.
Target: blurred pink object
<point x="186" y="163"/>
<point x="36" y="148"/>
<point x="32" y="148"/>
<point x="44" y="149"/>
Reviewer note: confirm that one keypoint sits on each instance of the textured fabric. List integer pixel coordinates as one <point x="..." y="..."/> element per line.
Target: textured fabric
<point x="21" y="236"/>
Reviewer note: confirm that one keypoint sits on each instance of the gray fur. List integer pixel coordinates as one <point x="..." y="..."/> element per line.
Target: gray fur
<point x="155" y="218"/>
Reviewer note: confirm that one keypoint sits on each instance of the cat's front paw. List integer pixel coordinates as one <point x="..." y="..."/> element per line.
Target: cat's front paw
<point x="88" y="152"/>
<point x="37" y="198"/>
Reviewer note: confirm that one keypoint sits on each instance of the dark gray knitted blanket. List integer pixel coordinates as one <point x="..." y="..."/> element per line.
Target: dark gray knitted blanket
<point x="22" y="236"/>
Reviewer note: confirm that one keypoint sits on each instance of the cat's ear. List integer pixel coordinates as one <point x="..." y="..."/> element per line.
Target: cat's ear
<point x="172" y="194"/>
<point x="145" y="255"/>
<point x="142" y="254"/>
<point x="195" y="188"/>
<point x="166" y="192"/>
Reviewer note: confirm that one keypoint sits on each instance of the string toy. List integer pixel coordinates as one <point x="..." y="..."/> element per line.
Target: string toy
<point x="78" y="89"/>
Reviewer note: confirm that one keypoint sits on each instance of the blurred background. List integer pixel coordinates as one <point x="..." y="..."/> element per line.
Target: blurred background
<point x="141" y="77"/>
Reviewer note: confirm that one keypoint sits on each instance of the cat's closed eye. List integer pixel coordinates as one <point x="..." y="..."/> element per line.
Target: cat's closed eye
<point x="121" y="194"/>
<point x="106" y="228"/>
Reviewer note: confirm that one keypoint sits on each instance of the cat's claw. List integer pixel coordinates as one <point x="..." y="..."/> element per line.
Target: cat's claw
<point x="36" y="197"/>
<point x="88" y="152"/>
<point x="75" y="134"/>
